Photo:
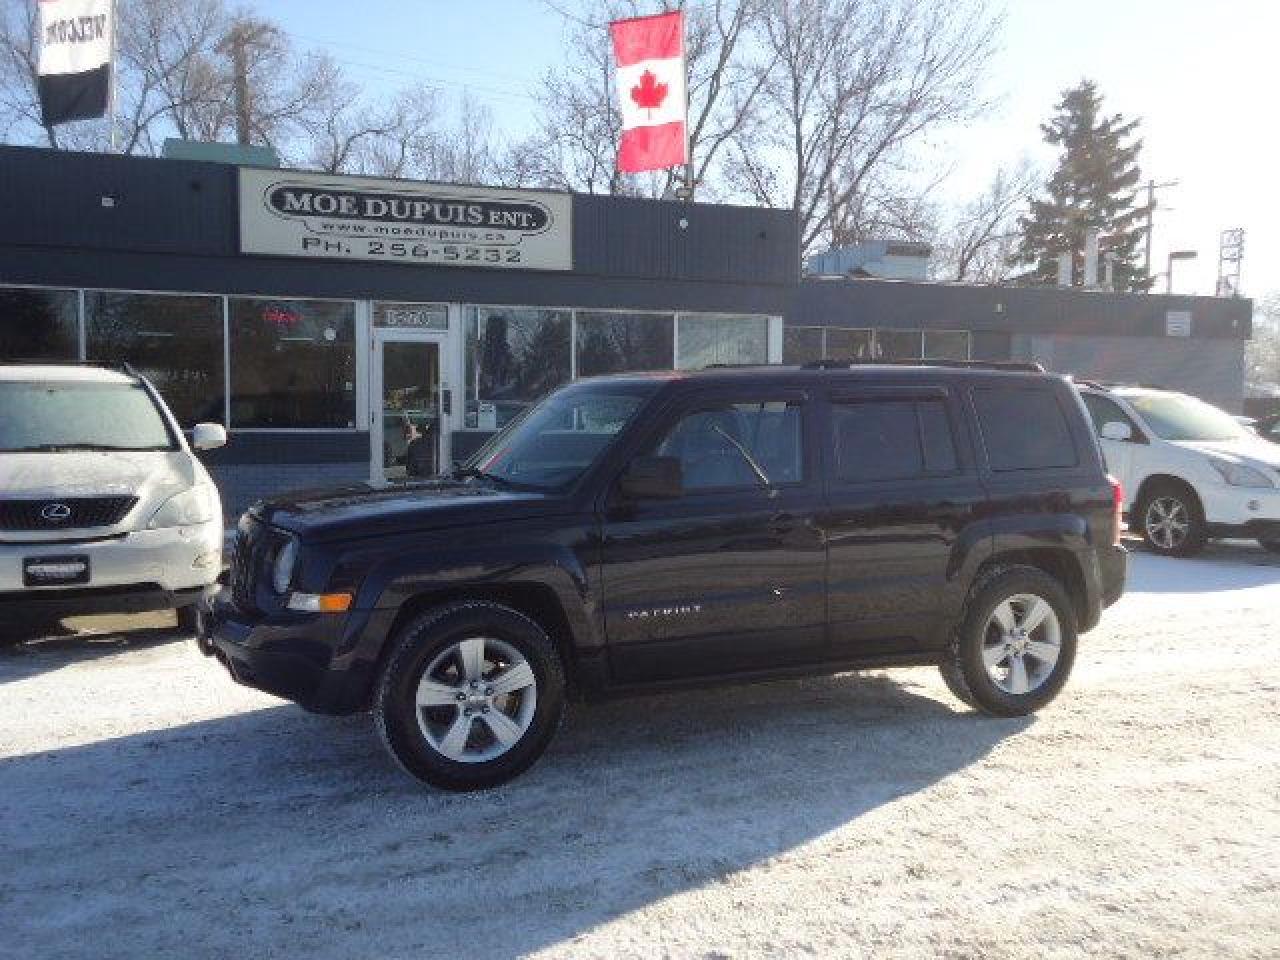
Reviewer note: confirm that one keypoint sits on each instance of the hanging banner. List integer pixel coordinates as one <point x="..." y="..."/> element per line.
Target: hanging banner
<point x="74" y="73"/>
<point x="324" y="216"/>
<point x="651" y="92"/>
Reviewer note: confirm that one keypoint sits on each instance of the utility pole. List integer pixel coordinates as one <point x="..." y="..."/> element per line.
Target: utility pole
<point x="1152" y="187"/>
<point x="244" y="34"/>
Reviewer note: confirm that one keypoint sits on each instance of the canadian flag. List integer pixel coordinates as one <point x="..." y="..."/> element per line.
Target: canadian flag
<point x="651" y="91"/>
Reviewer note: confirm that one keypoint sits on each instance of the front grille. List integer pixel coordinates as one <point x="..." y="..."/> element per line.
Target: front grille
<point x="64" y="513"/>
<point x="253" y="545"/>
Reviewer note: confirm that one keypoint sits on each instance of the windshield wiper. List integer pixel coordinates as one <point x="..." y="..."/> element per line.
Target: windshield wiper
<point x="479" y="474"/>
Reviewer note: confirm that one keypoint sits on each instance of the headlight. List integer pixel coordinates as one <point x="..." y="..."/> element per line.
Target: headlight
<point x="282" y="571"/>
<point x="1238" y="475"/>
<point x="191" y="507"/>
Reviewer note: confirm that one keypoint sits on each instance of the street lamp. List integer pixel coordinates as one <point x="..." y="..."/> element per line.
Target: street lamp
<point x="1176" y="255"/>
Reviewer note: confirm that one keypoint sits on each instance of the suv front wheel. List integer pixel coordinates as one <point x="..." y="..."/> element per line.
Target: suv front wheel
<point x="1014" y="649"/>
<point x="471" y="695"/>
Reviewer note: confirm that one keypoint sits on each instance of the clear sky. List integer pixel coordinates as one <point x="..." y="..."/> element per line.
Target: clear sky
<point x="1200" y="75"/>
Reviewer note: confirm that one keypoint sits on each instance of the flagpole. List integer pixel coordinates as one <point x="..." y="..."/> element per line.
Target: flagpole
<point x="111" y="80"/>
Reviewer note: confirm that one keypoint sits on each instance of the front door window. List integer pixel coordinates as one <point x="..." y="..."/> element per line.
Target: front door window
<point x="411" y="415"/>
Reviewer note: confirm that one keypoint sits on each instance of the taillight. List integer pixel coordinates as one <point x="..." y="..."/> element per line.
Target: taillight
<point x="1117" y="498"/>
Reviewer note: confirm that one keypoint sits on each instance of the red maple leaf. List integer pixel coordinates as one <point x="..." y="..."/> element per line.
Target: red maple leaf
<point x="648" y="93"/>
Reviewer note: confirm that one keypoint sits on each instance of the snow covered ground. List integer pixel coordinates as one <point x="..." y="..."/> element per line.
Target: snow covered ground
<point x="149" y="807"/>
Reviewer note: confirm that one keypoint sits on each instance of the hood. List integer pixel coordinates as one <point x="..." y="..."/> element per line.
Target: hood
<point x="362" y="510"/>
<point x="150" y="475"/>
<point x="1250" y="451"/>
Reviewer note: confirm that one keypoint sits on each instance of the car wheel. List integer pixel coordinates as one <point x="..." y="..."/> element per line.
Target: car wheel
<point x="1273" y="546"/>
<point x="1016" y="643"/>
<point x="471" y="695"/>
<point x="1171" y="521"/>
<point x="191" y="620"/>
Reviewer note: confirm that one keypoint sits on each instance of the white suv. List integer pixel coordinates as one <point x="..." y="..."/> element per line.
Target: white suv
<point x="103" y="506"/>
<point x="1190" y="471"/>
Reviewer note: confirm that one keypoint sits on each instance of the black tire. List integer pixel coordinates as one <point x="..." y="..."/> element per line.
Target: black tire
<point x="1271" y="546"/>
<point x="191" y="620"/>
<point x="1184" y="497"/>
<point x="953" y="677"/>
<point x="421" y="642"/>
<point x="21" y="628"/>
<point x="965" y="671"/>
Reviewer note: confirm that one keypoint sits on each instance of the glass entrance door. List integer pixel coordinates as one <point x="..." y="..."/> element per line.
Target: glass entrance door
<point x="408" y="415"/>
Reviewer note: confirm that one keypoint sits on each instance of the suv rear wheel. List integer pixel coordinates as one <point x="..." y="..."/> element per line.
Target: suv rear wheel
<point x="1015" y="647"/>
<point x="471" y="695"/>
<point x="1171" y="521"/>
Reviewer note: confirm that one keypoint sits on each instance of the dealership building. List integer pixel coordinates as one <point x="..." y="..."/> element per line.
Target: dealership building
<point x="352" y="329"/>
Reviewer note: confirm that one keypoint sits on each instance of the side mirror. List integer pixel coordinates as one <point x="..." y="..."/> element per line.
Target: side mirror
<point x="1116" y="430"/>
<point x="653" y="478"/>
<point x="208" y="436"/>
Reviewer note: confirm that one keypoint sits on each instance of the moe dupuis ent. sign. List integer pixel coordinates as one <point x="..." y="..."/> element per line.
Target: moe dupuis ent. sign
<point x="291" y="214"/>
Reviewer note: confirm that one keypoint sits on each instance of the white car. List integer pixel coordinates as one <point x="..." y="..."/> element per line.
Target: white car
<point x="1190" y="471"/>
<point x="103" y="506"/>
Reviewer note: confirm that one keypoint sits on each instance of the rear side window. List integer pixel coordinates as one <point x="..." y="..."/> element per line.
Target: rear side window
<point x="1103" y="411"/>
<point x="1024" y="428"/>
<point x="891" y="440"/>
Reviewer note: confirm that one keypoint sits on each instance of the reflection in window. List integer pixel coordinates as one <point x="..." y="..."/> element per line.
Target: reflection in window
<point x="713" y="444"/>
<point x="801" y="345"/>
<point x="946" y="344"/>
<point x="39" y="324"/>
<point x="515" y="356"/>
<point x="174" y="341"/>
<point x="292" y="363"/>
<point x="898" y="345"/>
<point x="844" y="344"/>
<point x="617" y="342"/>
<point x="707" y="339"/>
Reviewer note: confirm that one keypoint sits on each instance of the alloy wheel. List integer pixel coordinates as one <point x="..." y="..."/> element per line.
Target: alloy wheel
<point x="1021" y="643"/>
<point x="1167" y="523"/>
<point x="476" y="699"/>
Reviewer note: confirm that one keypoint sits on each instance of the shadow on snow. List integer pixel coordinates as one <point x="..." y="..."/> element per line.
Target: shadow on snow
<point x="276" y="829"/>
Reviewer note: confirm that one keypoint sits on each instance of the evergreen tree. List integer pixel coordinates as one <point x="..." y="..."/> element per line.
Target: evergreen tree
<point x="1094" y="187"/>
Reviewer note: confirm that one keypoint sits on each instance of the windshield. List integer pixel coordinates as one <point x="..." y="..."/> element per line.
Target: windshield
<point x="53" y="417"/>
<point x="554" y="443"/>
<point x="1185" y="418"/>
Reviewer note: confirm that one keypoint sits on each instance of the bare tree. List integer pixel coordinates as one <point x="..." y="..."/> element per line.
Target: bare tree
<point x="1263" y="351"/>
<point x="976" y="241"/>
<point x="856" y="86"/>
<point x="576" y="143"/>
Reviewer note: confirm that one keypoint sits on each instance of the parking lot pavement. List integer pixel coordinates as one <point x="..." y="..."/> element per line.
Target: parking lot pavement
<point x="154" y="808"/>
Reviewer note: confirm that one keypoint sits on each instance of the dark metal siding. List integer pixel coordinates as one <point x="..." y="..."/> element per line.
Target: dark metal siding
<point x="172" y="227"/>
<point x="905" y="304"/>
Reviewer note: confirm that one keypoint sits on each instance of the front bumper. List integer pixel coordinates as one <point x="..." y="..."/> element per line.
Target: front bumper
<point x="1237" y="508"/>
<point x="176" y="559"/>
<point x="292" y="656"/>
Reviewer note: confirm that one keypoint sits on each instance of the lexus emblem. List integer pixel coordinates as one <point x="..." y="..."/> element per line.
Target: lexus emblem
<point x="56" y="512"/>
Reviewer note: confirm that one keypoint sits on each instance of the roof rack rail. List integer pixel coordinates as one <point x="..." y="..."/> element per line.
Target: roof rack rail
<point x="1022" y="366"/>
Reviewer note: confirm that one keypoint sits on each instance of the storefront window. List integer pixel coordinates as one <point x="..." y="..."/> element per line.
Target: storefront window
<point x="898" y="345"/>
<point x="844" y="344"/>
<point x="515" y="355"/>
<point x="707" y="339"/>
<point x="946" y="344"/>
<point x="39" y="324"/>
<point x="801" y="345"/>
<point x="618" y="342"/>
<point x="175" y="341"/>
<point x="292" y="363"/>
